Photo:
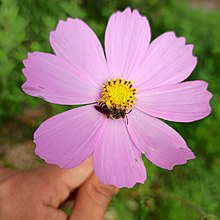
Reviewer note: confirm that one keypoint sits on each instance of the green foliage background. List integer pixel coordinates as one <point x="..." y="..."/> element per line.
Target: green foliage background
<point x="191" y="191"/>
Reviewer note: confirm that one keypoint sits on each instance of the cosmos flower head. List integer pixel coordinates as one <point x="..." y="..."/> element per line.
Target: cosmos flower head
<point x="127" y="90"/>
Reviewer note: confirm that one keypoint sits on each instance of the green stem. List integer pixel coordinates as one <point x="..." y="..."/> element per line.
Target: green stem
<point x="183" y="201"/>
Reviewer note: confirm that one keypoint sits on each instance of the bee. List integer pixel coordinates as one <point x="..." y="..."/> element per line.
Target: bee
<point x="113" y="113"/>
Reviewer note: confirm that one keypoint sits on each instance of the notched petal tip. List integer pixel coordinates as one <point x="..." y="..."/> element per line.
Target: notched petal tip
<point x="26" y="61"/>
<point x="190" y="156"/>
<point x="23" y="86"/>
<point x="129" y="12"/>
<point x="30" y="57"/>
<point x="181" y="161"/>
<point x="126" y="10"/>
<point x="24" y="72"/>
<point x="71" y="19"/>
<point x="168" y="34"/>
<point x="195" y="59"/>
<point x="118" y="184"/>
<point x="53" y="32"/>
<point x="35" y="91"/>
<point x="52" y="162"/>
<point x="182" y="39"/>
<point x="136" y="12"/>
<point x="209" y="108"/>
<point x="190" y="48"/>
<point x="132" y="184"/>
<point x="60" y="24"/>
<point x="208" y="96"/>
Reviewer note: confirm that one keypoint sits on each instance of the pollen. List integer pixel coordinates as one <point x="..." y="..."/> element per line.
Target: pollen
<point x="119" y="94"/>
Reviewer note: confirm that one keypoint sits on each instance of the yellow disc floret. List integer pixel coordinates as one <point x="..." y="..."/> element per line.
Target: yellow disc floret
<point x="119" y="94"/>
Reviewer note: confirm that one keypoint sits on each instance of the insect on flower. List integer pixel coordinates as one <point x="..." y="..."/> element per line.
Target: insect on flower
<point x="113" y="113"/>
<point x="138" y="81"/>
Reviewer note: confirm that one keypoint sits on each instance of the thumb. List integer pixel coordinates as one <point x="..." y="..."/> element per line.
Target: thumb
<point x="74" y="177"/>
<point x="61" y="182"/>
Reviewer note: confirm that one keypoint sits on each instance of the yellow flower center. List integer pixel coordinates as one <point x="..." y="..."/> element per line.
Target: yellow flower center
<point x="118" y="94"/>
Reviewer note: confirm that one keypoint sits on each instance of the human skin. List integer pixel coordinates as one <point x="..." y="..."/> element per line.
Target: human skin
<point x="37" y="194"/>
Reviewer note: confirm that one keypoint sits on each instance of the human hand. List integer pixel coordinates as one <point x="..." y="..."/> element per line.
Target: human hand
<point x="37" y="194"/>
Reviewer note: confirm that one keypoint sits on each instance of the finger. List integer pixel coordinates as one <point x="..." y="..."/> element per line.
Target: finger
<point x="92" y="200"/>
<point x="61" y="182"/>
<point x="21" y="198"/>
<point x="76" y="176"/>
<point x="72" y="177"/>
<point x="5" y="173"/>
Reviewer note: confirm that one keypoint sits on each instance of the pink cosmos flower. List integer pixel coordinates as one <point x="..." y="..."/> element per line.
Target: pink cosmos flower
<point x="107" y="129"/>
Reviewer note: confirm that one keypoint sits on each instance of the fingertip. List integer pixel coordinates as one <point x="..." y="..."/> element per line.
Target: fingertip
<point x="77" y="175"/>
<point x="72" y="177"/>
<point x="102" y="190"/>
<point x="92" y="199"/>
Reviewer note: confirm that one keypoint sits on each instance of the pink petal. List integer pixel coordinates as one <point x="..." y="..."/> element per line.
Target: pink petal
<point x="55" y="80"/>
<point x="69" y="138"/>
<point x="168" y="61"/>
<point x="74" y="41"/>
<point x="116" y="160"/>
<point x="161" y="144"/>
<point x="126" y="41"/>
<point x="183" y="102"/>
